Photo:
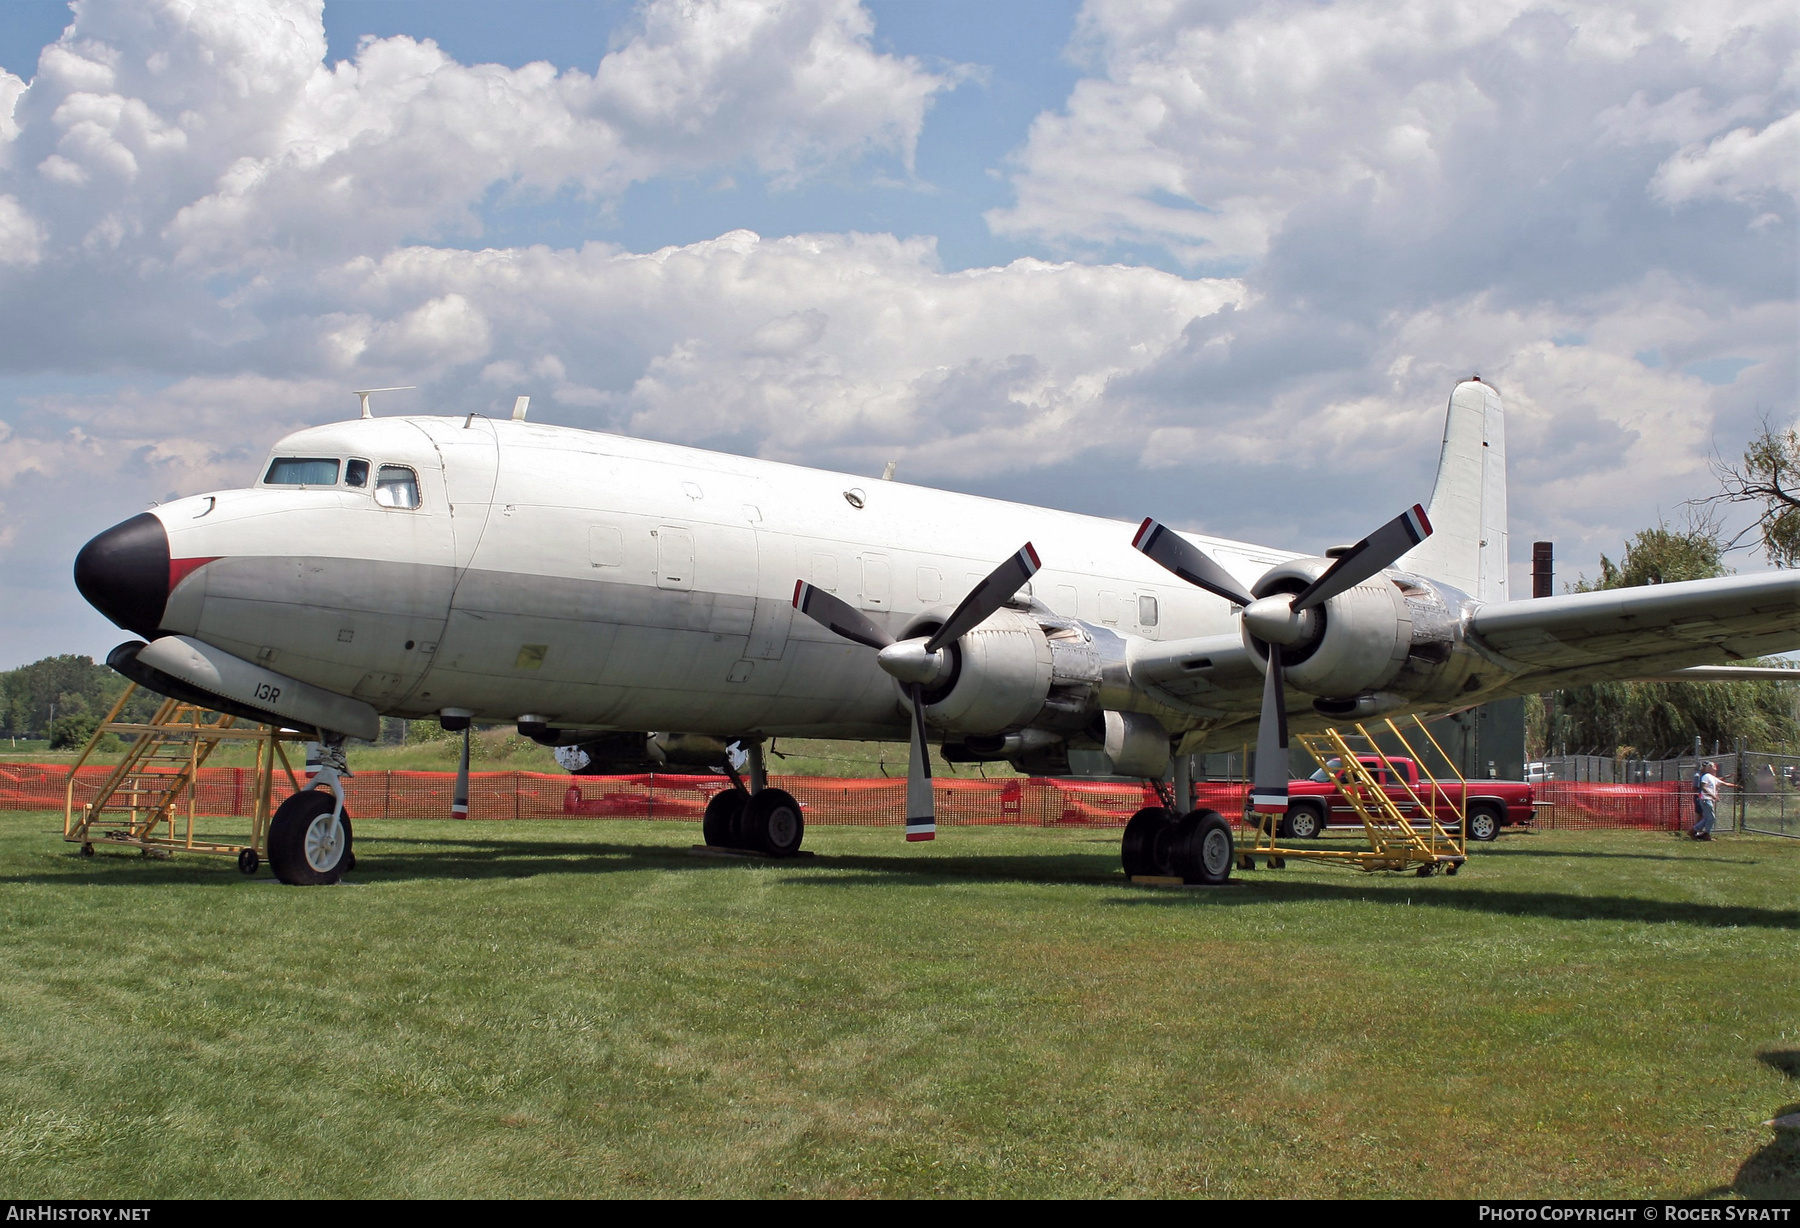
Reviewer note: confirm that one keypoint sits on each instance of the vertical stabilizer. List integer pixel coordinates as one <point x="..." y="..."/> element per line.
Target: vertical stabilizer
<point x="1467" y="547"/>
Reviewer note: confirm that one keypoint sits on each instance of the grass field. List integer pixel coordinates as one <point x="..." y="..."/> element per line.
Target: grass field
<point x="585" y="1009"/>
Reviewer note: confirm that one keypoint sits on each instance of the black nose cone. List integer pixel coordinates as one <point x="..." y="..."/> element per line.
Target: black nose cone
<point x="124" y="573"/>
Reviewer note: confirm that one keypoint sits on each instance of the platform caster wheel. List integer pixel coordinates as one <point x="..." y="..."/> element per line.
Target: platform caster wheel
<point x="1201" y="850"/>
<point x="721" y="813"/>
<point x="1145" y="849"/>
<point x="1425" y="871"/>
<point x="1451" y="870"/>
<point x="248" y="861"/>
<point x="771" y="823"/>
<point x="1277" y="863"/>
<point x="87" y="850"/>
<point x="306" y="849"/>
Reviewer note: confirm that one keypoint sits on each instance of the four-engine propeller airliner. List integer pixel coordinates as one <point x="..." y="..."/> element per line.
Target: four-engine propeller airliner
<point x="654" y="604"/>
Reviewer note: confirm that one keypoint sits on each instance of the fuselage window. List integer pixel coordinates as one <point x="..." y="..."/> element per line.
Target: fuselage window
<point x="396" y="486"/>
<point x="356" y="473"/>
<point x="302" y="471"/>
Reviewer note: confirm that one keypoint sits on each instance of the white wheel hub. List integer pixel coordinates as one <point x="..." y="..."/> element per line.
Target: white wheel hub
<point x="1215" y="852"/>
<point x="324" y="843"/>
<point x="781" y="826"/>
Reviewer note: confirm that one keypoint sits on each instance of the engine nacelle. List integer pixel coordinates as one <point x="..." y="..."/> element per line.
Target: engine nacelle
<point x="1360" y="640"/>
<point x="1392" y="640"/>
<point x="1017" y="669"/>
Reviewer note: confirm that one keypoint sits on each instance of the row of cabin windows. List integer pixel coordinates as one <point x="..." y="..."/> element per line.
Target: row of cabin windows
<point x="395" y="485"/>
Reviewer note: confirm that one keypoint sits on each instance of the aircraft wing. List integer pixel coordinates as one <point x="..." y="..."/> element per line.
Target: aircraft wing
<point x="1208" y="676"/>
<point x="1652" y="631"/>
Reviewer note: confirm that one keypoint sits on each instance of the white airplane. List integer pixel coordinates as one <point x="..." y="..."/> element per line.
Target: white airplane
<point x="593" y="588"/>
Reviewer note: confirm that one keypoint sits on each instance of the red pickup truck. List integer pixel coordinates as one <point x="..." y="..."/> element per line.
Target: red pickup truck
<point x="1315" y="803"/>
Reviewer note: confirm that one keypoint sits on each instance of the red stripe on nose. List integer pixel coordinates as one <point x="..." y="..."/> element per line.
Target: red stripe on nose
<point x="181" y="569"/>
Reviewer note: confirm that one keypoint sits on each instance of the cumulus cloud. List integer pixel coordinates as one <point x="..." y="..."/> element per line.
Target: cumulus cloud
<point x="1592" y="205"/>
<point x="217" y="134"/>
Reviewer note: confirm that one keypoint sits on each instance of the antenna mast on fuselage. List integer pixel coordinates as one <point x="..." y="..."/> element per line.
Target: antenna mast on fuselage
<point x="363" y="395"/>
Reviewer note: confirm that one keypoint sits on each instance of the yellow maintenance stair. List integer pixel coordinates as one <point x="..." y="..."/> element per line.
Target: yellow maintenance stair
<point x="1419" y="827"/>
<point x="148" y="800"/>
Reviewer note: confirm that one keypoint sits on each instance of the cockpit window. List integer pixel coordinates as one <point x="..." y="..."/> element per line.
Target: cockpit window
<point x="302" y="471"/>
<point x="356" y="473"/>
<point x="396" y="486"/>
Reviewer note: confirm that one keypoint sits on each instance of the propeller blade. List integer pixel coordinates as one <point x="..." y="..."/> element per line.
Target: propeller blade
<point x="839" y="616"/>
<point x="1269" y="791"/>
<point x="921" y="811"/>
<point x="1367" y="557"/>
<point x="1169" y="549"/>
<point x="986" y="597"/>
<point x="459" y="800"/>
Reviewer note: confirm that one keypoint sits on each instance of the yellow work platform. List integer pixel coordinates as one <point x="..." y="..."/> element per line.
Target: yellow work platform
<point x="1424" y="844"/>
<point x="147" y="802"/>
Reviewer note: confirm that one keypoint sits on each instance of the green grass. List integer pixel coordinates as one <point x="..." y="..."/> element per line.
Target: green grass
<point x="582" y="1008"/>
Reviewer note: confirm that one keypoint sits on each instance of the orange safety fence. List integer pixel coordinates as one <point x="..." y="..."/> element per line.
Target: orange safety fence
<point x="1033" y="801"/>
<point x="1657" y="805"/>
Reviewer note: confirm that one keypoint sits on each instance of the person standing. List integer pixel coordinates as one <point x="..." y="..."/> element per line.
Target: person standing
<point x="1706" y="798"/>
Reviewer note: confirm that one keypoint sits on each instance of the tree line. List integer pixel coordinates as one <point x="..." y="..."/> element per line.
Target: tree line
<point x="1654" y="718"/>
<point x="64" y="698"/>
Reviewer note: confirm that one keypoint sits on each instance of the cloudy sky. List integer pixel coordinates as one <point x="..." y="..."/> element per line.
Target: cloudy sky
<point x="1216" y="262"/>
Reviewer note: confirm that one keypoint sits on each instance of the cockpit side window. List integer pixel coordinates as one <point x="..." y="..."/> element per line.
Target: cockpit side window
<point x="396" y="486"/>
<point x="302" y="471"/>
<point x="356" y="473"/>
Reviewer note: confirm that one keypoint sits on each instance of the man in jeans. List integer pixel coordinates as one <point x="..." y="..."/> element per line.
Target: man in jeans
<point x="1706" y="799"/>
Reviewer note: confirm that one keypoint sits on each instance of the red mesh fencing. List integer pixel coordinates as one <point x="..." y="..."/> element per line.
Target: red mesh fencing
<point x="1031" y="802"/>
<point x="1657" y="805"/>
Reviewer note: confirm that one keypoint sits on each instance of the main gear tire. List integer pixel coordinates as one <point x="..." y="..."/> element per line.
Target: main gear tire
<point x="716" y="825"/>
<point x="306" y="849"/>
<point x="1145" y="848"/>
<point x="771" y="823"/>
<point x="1201" y="850"/>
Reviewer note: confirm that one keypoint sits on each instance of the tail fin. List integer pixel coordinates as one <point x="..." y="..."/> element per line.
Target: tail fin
<point x="1467" y="547"/>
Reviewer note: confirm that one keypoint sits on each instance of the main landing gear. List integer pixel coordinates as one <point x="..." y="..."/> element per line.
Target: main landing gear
<point x="1196" y="847"/>
<point x="756" y="819"/>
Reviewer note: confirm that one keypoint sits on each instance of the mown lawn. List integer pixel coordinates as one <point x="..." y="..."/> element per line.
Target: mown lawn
<point x="583" y="1008"/>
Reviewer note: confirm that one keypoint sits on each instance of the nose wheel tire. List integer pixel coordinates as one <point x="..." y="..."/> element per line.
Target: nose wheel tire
<point x="1201" y="850"/>
<point x="307" y="849"/>
<point x="721" y="813"/>
<point x="771" y="823"/>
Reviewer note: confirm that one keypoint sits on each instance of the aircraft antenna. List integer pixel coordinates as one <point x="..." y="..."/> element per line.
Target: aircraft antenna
<point x="520" y="404"/>
<point x="363" y="395"/>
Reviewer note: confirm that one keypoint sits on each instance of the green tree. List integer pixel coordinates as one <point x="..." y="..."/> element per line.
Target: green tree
<point x="72" y="732"/>
<point x="1767" y="480"/>
<point x="1649" y="718"/>
<point x="72" y="685"/>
